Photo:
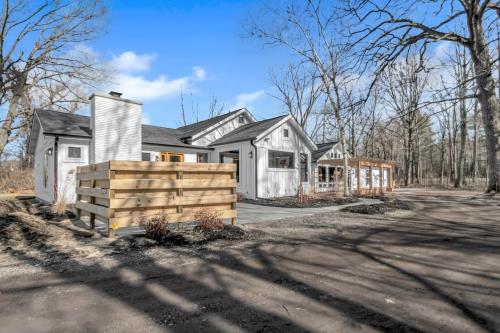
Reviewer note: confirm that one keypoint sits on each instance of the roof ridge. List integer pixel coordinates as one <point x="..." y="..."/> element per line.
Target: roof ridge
<point x="62" y="112"/>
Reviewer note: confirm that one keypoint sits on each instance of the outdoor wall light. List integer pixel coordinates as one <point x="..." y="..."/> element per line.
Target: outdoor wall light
<point x="250" y="154"/>
<point x="49" y="151"/>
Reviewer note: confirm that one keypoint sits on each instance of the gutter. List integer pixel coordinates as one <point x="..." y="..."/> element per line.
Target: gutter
<point x="56" y="144"/>
<point x="256" y="169"/>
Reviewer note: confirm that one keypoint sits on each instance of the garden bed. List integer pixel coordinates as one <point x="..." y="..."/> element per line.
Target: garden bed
<point x="313" y="202"/>
<point x="387" y="205"/>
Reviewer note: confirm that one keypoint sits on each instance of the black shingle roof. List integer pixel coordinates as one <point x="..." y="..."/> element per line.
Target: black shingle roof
<point x="248" y="132"/>
<point x="322" y="149"/>
<point x="191" y="129"/>
<point x="54" y="122"/>
<point x="67" y="124"/>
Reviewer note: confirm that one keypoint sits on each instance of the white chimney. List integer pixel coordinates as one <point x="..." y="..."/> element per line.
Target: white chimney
<point x="116" y="125"/>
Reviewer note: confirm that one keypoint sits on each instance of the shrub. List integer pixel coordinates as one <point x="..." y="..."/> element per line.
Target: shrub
<point x="59" y="207"/>
<point x="209" y="220"/>
<point x="156" y="226"/>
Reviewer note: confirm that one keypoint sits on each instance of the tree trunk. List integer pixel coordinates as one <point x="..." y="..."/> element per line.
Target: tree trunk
<point x="489" y="103"/>
<point x="463" y="131"/>
<point x="474" y="147"/>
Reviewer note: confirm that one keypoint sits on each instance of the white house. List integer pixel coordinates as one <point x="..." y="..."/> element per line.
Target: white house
<point x="273" y="155"/>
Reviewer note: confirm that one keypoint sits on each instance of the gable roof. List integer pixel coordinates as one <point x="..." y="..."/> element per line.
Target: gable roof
<point x="68" y="124"/>
<point x="195" y="128"/>
<point x="322" y="149"/>
<point x="248" y="131"/>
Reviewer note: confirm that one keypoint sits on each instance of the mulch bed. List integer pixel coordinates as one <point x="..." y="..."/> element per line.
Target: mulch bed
<point x="388" y="205"/>
<point x="292" y="202"/>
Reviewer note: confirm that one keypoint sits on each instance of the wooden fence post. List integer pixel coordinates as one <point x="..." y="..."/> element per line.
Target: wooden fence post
<point x="92" y="198"/>
<point x="233" y="191"/>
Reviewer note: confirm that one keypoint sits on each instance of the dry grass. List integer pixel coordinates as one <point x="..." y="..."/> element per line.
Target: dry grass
<point x="209" y="220"/>
<point x="59" y="207"/>
<point x="14" y="180"/>
<point x="156" y="226"/>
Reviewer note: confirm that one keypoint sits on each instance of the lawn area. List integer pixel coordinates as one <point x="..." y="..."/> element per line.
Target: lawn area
<point x="436" y="269"/>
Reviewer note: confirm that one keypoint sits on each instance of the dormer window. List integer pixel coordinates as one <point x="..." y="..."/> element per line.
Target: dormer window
<point x="285" y="132"/>
<point x="241" y="119"/>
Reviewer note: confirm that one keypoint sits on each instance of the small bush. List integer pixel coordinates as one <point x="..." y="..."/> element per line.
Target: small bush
<point x="209" y="220"/>
<point x="58" y="208"/>
<point x="156" y="227"/>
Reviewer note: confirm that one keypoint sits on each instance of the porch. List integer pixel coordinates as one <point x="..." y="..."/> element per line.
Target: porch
<point x="366" y="176"/>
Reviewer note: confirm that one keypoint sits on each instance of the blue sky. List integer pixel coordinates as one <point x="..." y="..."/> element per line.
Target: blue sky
<point x="157" y="47"/>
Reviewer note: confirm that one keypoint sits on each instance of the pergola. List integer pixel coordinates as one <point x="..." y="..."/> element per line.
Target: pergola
<point x="366" y="176"/>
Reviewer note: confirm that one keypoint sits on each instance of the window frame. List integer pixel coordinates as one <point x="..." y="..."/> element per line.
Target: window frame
<point x="241" y="119"/>
<point x="269" y="159"/>
<point x="201" y="154"/>
<point x="286" y="133"/>
<point x="142" y="156"/>
<point x="69" y="158"/>
<point x="306" y="169"/>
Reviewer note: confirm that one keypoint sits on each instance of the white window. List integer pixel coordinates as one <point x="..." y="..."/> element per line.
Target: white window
<point x="281" y="159"/>
<point x="145" y="156"/>
<point x="285" y="132"/>
<point x="74" y="153"/>
<point x="241" y="120"/>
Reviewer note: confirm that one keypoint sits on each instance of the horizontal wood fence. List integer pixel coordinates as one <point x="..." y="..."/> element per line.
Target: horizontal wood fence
<point x="121" y="193"/>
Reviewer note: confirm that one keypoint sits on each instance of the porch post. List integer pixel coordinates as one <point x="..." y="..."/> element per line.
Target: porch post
<point x="370" y="175"/>
<point x="359" y="176"/>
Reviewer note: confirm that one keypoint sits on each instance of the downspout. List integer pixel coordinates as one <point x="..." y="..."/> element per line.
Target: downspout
<point x="256" y="169"/>
<point x="56" y="141"/>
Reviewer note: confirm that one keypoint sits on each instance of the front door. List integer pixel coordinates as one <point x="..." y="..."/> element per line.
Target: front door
<point x="171" y="157"/>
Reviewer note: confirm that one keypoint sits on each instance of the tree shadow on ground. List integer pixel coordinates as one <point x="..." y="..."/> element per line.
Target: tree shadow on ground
<point x="208" y="294"/>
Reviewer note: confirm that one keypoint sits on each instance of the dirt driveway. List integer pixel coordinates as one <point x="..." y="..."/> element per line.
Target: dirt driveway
<point x="435" y="271"/>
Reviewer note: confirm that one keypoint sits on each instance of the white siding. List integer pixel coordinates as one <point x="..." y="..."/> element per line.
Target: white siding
<point x="274" y="182"/>
<point x="334" y="153"/>
<point x="45" y="193"/>
<point x="220" y="131"/>
<point x="246" y="184"/>
<point x="66" y="181"/>
<point x="116" y="127"/>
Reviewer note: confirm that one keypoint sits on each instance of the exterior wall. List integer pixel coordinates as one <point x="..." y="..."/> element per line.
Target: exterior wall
<point x="220" y="131"/>
<point x="45" y="193"/>
<point x="334" y="153"/>
<point x="189" y="154"/>
<point x="116" y="129"/>
<point x="275" y="182"/>
<point x="246" y="184"/>
<point x="66" y="167"/>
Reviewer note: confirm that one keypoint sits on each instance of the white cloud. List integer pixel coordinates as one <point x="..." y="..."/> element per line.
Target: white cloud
<point x="245" y="99"/>
<point x="131" y="62"/>
<point x="137" y="87"/>
<point x="199" y="73"/>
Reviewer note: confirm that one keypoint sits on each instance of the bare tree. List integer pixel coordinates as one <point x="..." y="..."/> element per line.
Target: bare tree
<point x="388" y="29"/>
<point x="215" y="108"/>
<point x="299" y="91"/>
<point x="311" y="32"/>
<point x="403" y="87"/>
<point x="41" y="60"/>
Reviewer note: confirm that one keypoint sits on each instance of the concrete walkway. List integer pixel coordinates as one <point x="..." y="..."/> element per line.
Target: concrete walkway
<point x="251" y="213"/>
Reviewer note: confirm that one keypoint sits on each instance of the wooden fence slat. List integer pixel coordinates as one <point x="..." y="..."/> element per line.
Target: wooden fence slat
<point x="126" y="184"/>
<point x="94" y="192"/>
<point x="170" y="201"/>
<point x="171" y="166"/>
<point x="127" y="221"/>
<point x="95" y="209"/>
<point x="93" y="175"/>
